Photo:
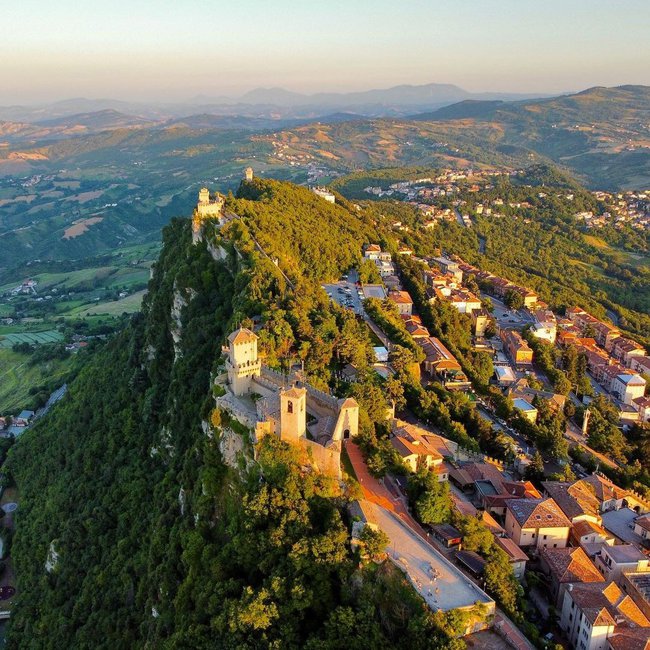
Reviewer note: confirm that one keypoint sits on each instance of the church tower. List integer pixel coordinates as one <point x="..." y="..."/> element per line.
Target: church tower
<point x="243" y="363"/>
<point x="293" y="414"/>
<point x="248" y="174"/>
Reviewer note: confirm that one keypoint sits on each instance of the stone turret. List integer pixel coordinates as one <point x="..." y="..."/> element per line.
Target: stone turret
<point x="243" y="363"/>
<point x="248" y="174"/>
<point x="293" y="414"/>
<point x="208" y="207"/>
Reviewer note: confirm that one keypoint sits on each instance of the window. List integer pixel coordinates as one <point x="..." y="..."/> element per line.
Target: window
<point x="545" y="536"/>
<point x="289" y="406"/>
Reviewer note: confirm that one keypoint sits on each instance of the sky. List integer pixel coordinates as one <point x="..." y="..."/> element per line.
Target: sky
<point x="175" y="50"/>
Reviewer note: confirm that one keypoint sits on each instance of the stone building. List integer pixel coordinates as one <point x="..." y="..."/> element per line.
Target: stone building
<point x="272" y="403"/>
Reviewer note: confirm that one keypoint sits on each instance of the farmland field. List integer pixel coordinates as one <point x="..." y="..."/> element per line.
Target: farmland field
<point x="33" y="338"/>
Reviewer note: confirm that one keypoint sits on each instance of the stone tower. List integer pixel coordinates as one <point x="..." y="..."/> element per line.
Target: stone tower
<point x="347" y="424"/>
<point x="248" y="174"/>
<point x="204" y="196"/>
<point x="243" y="363"/>
<point x="293" y="414"/>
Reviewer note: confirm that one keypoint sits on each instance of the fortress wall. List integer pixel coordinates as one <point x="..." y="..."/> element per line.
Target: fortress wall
<point x="325" y="459"/>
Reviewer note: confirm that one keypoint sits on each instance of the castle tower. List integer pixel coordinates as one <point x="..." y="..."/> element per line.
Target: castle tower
<point x="204" y="196"/>
<point x="347" y="424"/>
<point x="293" y="414"/>
<point x="248" y="174"/>
<point x="243" y="363"/>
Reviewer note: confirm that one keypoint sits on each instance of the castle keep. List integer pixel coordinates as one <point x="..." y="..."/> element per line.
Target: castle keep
<point x="271" y="403"/>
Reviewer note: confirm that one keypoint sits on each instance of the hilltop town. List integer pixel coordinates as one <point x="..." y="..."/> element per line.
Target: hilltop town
<point x="578" y="542"/>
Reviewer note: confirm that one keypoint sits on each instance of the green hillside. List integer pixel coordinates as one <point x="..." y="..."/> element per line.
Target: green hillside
<point x="163" y="540"/>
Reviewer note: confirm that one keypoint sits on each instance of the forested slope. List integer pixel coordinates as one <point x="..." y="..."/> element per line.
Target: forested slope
<point x="152" y="539"/>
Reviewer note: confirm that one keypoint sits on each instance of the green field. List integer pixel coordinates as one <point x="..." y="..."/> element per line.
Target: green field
<point x="127" y="305"/>
<point x="17" y="377"/>
<point x="33" y="338"/>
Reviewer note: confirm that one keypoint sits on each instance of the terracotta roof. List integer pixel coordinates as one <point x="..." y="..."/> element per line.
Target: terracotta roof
<point x="643" y="522"/>
<point x="510" y="547"/>
<point x="406" y="447"/>
<point x="582" y="528"/>
<point x="349" y="402"/>
<point x="603" y="488"/>
<point x="603" y="603"/>
<point x="294" y="392"/>
<point x="401" y="297"/>
<point x="629" y="638"/>
<point x="575" y="499"/>
<point x="242" y="335"/>
<point x="571" y="565"/>
<point x="537" y="513"/>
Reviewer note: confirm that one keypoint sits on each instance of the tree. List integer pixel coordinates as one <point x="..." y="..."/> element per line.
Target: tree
<point x="368" y="272"/>
<point x="513" y="299"/>
<point x="476" y="535"/>
<point x="535" y="471"/>
<point x="500" y="580"/>
<point x="434" y="505"/>
<point x="374" y="541"/>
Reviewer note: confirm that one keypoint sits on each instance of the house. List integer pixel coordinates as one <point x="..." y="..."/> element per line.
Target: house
<point x="527" y="409"/>
<point x="464" y="301"/>
<point x="516" y="556"/>
<point x="449" y="267"/>
<point x="414" y="327"/>
<point x="480" y="320"/>
<point x="627" y="387"/>
<point x="324" y="194"/>
<point x="416" y="451"/>
<point x="566" y="565"/>
<point x="628" y="638"/>
<point x="536" y="522"/>
<point x="642" y="406"/>
<point x="637" y="585"/>
<point x="472" y="562"/>
<point x="447" y="535"/>
<point x="504" y="375"/>
<point x="624" y="349"/>
<point x="590" y="537"/>
<point x="608" y="494"/>
<point x="604" y="333"/>
<point x="544" y="325"/>
<point x="439" y="361"/>
<point x="349" y="373"/>
<point x="642" y="526"/>
<point x="517" y="349"/>
<point x="621" y="558"/>
<point x="592" y="611"/>
<point x="402" y="301"/>
<point x="576" y="500"/>
<point x="521" y="389"/>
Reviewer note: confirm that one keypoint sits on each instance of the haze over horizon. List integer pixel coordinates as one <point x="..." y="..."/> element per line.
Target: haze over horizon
<point x="170" y="51"/>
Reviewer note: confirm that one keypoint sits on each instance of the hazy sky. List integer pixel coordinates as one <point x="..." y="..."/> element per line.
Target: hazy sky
<point x="177" y="49"/>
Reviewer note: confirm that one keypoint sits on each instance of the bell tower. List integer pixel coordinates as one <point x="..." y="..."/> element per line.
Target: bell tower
<point x="293" y="414"/>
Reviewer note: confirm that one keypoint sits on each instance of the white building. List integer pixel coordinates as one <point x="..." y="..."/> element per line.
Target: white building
<point x="628" y="387"/>
<point x="536" y="522"/>
<point x="324" y="194"/>
<point x="592" y="611"/>
<point x="544" y="325"/>
<point x="612" y="561"/>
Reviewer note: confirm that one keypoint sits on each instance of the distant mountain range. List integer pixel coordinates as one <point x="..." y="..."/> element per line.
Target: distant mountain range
<point x="273" y="103"/>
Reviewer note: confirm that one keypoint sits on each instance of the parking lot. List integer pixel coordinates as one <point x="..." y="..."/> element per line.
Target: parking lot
<point x="346" y="293"/>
